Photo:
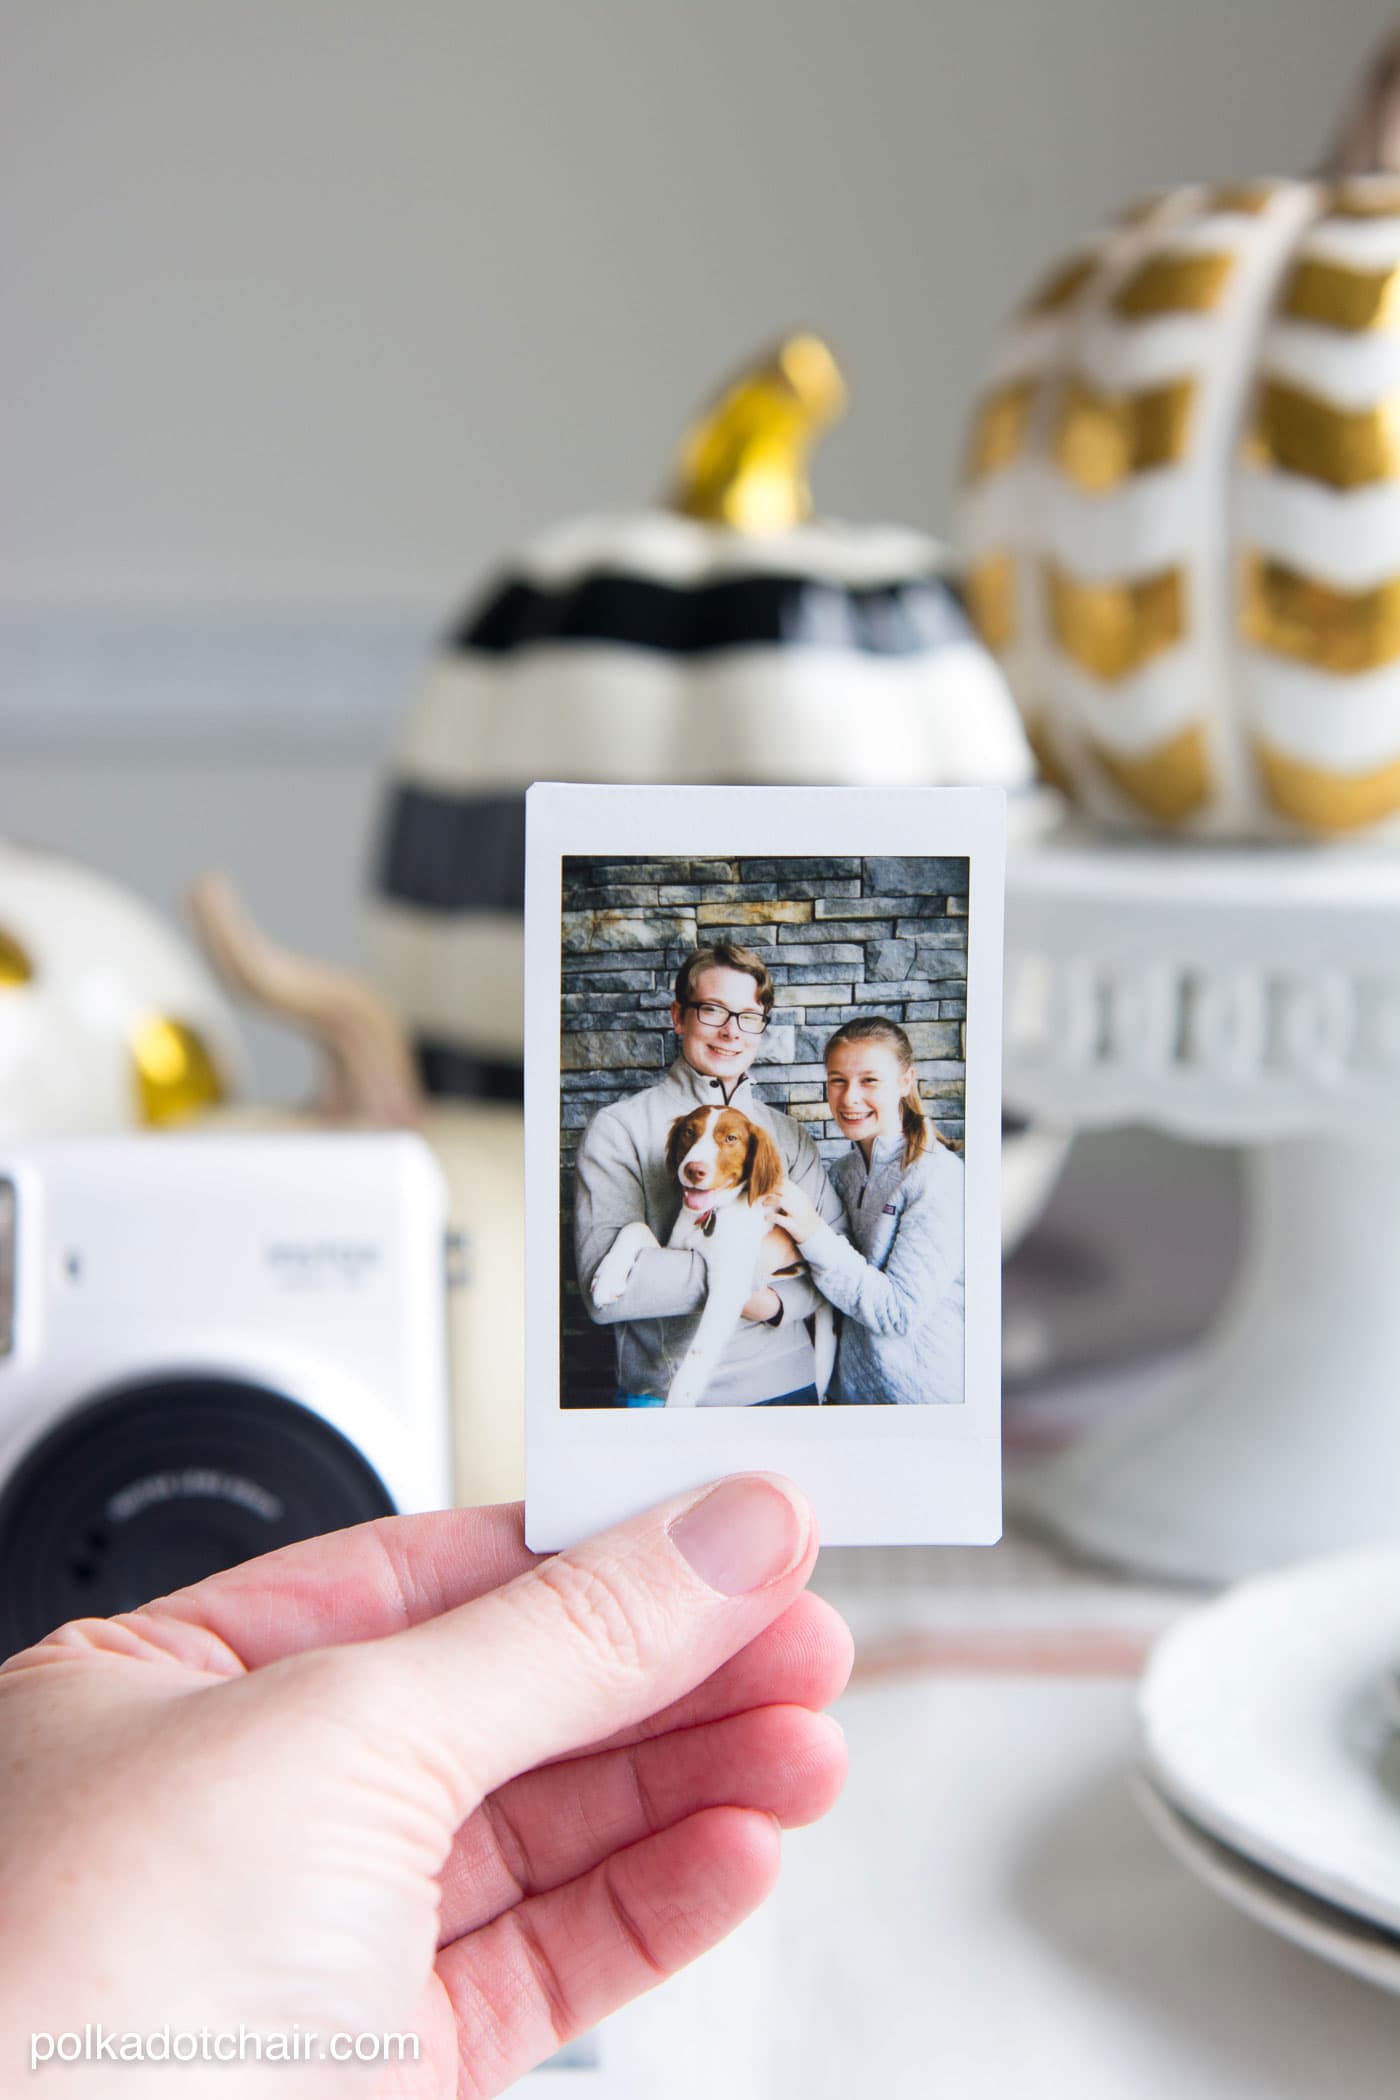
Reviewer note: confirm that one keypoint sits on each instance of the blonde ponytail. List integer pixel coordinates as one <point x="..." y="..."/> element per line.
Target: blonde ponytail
<point x="911" y="1115"/>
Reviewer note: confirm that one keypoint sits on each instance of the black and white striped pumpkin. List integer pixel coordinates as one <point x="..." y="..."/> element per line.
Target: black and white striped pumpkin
<point x="725" y="640"/>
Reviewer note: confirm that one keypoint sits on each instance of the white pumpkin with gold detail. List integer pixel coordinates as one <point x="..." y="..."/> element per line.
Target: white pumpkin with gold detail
<point x="1183" y="503"/>
<point x="108" y="1020"/>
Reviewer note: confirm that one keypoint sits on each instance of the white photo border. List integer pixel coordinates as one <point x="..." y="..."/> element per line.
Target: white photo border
<point x="875" y="1475"/>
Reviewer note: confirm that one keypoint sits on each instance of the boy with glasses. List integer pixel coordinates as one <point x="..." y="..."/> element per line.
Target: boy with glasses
<point x="723" y="1000"/>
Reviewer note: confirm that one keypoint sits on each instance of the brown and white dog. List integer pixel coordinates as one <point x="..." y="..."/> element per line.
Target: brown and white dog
<point x="725" y="1165"/>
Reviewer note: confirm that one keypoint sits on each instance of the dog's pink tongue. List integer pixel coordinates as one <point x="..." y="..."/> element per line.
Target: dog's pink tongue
<point x="697" y="1199"/>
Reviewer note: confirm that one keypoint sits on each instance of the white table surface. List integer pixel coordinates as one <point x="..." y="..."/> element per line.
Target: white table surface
<point x="986" y="1914"/>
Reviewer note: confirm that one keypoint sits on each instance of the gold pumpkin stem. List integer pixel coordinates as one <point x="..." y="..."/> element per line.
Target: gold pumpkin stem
<point x="744" y="463"/>
<point x="1368" y="141"/>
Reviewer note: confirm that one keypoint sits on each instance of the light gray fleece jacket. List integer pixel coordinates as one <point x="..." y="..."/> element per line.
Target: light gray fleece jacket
<point x="622" y="1176"/>
<point x="899" y="1277"/>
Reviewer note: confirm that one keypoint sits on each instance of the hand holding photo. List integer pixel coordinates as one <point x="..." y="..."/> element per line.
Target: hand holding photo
<point x="764" y="1034"/>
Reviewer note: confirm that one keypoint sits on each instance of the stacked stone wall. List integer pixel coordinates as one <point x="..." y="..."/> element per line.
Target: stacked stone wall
<point x="841" y="936"/>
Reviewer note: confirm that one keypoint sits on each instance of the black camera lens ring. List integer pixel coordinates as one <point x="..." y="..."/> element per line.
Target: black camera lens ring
<point x="157" y="1482"/>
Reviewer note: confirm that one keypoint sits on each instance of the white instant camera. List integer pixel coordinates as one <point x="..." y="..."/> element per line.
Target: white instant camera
<point x="209" y="1347"/>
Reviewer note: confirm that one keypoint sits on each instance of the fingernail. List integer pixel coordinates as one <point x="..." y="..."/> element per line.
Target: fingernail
<point x="742" y="1535"/>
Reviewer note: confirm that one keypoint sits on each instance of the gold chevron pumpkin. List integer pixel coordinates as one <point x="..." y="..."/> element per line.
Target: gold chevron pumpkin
<point x="1181" y="506"/>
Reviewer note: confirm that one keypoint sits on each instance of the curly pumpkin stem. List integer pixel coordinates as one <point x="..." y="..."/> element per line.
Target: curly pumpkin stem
<point x="368" y="1073"/>
<point x="744" y="463"/>
<point x="1368" y="140"/>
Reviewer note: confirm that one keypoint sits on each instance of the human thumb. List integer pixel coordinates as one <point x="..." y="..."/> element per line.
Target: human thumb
<point x="595" y="1639"/>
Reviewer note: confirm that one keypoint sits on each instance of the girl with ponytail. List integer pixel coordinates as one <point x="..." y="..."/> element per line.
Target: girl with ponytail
<point x="898" y="1277"/>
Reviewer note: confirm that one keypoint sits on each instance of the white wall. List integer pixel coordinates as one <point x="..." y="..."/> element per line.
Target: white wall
<point x="312" y="307"/>
<point x="323" y="302"/>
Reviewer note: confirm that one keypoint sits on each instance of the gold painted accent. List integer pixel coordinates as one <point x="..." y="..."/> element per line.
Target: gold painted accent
<point x="1170" y="782"/>
<point x="1049" y="764"/>
<point x="1300" y="433"/>
<point x="990" y="585"/>
<point x="1325" y="801"/>
<point x="176" y="1076"/>
<point x="1246" y="198"/>
<point x="744" y="463"/>
<point x="1365" y="197"/>
<point x="1175" y="282"/>
<point x="999" y="429"/>
<point x="1296" y="615"/>
<point x="1062" y="285"/>
<point x="1253" y="451"/>
<point x="1100" y="439"/>
<point x="1143" y="208"/>
<point x="1112" y="629"/>
<point x="15" y="966"/>
<point x="1337" y="297"/>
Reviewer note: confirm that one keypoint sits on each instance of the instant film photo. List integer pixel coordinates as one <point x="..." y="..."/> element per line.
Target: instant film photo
<point x="763" y="1108"/>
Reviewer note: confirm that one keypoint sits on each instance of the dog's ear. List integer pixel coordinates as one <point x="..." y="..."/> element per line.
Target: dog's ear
<point x="766" y="1174"/>
<point x="679" y="1139"/>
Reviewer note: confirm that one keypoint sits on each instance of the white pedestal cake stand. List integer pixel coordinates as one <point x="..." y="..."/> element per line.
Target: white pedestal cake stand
<point x="1247" y="996"/>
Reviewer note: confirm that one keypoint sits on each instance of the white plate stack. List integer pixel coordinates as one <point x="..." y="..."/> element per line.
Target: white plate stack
<point x="1270" y="1742"/>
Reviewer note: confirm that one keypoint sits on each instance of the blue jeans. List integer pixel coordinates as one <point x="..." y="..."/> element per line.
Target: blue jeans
<point x="805" y="1396"/>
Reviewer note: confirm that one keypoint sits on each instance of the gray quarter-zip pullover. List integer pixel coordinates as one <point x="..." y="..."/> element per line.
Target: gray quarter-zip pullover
<point x="899" y="1277"/>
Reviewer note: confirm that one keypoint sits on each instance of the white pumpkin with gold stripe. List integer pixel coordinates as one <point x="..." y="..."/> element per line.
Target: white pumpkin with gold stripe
<point x="108" y="1020"/>
<point x="1182" y="505"/>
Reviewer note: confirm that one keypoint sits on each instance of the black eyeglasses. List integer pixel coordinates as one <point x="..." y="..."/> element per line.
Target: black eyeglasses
<point x="713" y="1015"/>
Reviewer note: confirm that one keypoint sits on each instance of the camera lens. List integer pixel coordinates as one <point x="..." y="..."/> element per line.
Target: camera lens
<point x="157" y="1484"/>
